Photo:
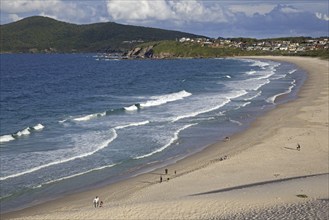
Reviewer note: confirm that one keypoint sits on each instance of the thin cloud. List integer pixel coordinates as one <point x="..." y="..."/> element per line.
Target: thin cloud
<point x="250" y="18"/>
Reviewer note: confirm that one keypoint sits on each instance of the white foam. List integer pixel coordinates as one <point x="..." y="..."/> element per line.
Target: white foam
<point x="171" y="141"/>
<point x="252" y="72"/>
<point x="101" y="146"/>
<point x="267" y="81"/>
<point x="273" y="98"/>
<point x="226" y="101"/>
<point x="279" y="76"/>
<point x="228" y="76"/>
<point x="236" y="122"/>
<point x="260" y="64"/>
<point x="292" y="71"/>
<point x="132" y="125"/>
<point x="85" y="118"/>
<point x="26" y="131"/>
<point x="63" y="121"/>
<point x="6" y="138"/>
<point x="131" y="108"/>
<point x="248" y="84"/>
<point x="38" y="127"/>
<point x="244" y="105"/>
<point x="253" y="97"/>
<point x="163" y="99"/>
<point x="75" y="175"/>
<point x="193" y="114"/>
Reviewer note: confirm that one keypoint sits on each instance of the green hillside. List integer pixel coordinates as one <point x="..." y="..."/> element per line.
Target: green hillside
<point x="42" y="34"/>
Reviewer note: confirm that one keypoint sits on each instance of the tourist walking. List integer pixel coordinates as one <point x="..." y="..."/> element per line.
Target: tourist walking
<point x="96" y="201"/>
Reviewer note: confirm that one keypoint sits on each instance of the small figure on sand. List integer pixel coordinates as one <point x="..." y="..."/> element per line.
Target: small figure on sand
<point x="160" y="179"/>
<point x="101" y="204"/>
<point x="96" y="201"/>
<point x="166" y="171"/>
<point x="227" y="138"/>
<point x="298" y="147"/>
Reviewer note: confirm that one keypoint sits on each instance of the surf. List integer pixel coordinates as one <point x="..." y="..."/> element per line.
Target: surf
<point x="171" y="141"/>
<point x="25" y="132"/>
<point x="34" y="169"/>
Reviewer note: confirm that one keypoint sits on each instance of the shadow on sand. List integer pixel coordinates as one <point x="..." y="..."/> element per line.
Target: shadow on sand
<point x="254" y="184"/>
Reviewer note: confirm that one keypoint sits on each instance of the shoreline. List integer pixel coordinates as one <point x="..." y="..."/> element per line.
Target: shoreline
<point x="274" y="136"/>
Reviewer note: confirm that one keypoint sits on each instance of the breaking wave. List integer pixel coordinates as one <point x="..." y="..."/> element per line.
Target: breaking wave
<point x="131" y="108"/>
<point x="6" y="138"/>
<point x="163" y="99"/>
<point x="132" y="125"/>
<point x="223" y="103"/>
<point x="171" y="141"/>
<point x="101" y="146"/>
<point x="75" y="175"/>
<point x="154" y="101"/>
<point x="91" y="116"/>
<point x="25" y="132"/>
<point x="273" y="98"/>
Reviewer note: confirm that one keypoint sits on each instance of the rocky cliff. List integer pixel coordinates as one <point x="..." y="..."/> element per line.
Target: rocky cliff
<point x="140" y="52"/>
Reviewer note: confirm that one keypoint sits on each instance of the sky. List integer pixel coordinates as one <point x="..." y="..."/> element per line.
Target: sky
<point x="211" y="18"/>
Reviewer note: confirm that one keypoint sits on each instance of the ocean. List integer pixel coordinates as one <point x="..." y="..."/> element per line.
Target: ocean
<point x="70" y="122"/>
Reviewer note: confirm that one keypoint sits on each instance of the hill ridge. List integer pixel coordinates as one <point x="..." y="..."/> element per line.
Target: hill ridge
<point x="44" y="34"/>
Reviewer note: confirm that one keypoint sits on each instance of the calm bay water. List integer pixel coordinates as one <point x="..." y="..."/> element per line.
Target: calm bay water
<point x="73" y="121"/>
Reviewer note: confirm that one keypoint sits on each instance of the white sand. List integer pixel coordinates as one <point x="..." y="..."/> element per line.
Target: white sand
<point x="260" y="179"/>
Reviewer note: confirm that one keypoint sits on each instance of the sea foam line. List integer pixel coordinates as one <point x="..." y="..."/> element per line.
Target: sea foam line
<point x="243" y="105"/>
<point x="253" y="97"/>
<point x="273" y="98"/>
<point x="292" y="71"/>
<point x="103" y="145"/>
<point x="227" y="100"/>
<point x="235" y="122"/>
<point x="155" y="101"/>
<point x="132" y="125"/>
<point x="159" y="100"/>
<point x="91" y="116"/>
<point x="75" y="175"/>
<point x="171" y="141"/>
<point x="163" y="99"/>
<point x="201" y="112"/>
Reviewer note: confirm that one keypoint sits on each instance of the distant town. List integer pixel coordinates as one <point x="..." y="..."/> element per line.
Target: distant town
<point x="201" y="47"/>
<point x="298" y="45"/>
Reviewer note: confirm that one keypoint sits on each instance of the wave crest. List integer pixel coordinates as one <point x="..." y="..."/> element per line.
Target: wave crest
<point x="171" y="141"/>
<point x="163" y="99"/>
<point x="6" y="138"/>
<point x="101" y="146"/>
<point x="25" y="132"/>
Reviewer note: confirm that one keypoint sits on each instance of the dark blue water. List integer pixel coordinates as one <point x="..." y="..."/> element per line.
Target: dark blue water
<point x="70" y="122"/>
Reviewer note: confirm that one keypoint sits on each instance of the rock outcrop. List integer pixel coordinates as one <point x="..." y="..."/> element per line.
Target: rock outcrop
<point x="140" y="52"/>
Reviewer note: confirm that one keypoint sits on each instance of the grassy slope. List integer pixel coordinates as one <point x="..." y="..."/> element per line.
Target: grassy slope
<point x="176" y="49"/>
<point x="43" y="33"/>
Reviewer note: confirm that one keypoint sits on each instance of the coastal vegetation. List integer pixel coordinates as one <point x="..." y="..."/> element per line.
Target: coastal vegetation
<point x="206" y="48"/>
<point x="46" y="35"/>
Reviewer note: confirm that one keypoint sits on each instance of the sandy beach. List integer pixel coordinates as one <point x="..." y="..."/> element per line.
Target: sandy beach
<point x="257" y="174"/>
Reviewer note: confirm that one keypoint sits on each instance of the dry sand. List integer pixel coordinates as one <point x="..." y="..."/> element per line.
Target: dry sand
<point x="263" y="177"/>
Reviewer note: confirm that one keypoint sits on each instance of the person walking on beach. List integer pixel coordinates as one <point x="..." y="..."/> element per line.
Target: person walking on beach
<point x="160" y="179"/>
<point x="96" y="201"/>
<point x="166" y="171"/>
<point x="298" y="147"/>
